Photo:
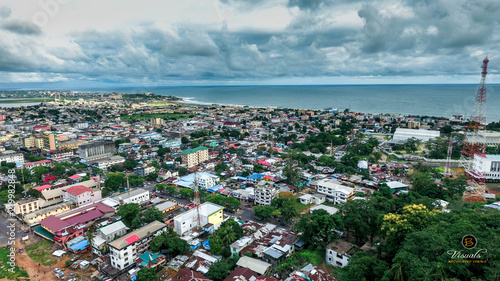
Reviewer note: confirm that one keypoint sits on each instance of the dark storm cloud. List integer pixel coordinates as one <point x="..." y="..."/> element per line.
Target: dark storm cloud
<point x="21" y="27"/>
<point x="400" y="38"/>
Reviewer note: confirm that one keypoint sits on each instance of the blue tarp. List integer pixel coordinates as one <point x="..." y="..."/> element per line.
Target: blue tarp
<point x="80" y="246"/>
<point x="255" y="176"/>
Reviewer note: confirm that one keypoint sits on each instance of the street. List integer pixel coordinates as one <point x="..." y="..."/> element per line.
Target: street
<point x="4" y="228"/>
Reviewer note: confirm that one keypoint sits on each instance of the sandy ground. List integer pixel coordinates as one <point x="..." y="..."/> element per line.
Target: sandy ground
<point x="39" y="272"/>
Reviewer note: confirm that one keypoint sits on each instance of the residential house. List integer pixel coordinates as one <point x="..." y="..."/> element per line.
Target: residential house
<point x="81" y="194"/>
<point x="339" y="252"/>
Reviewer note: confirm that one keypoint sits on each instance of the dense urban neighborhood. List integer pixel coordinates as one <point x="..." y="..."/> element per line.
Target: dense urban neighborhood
<point x="148" y="187"/>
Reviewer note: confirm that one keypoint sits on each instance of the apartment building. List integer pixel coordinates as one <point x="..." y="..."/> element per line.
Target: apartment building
<point x="265" y="193"/>
<point x="81" y="194"/>
<point x="194" y="156"/>
<point x="334" y="191"/>
<point x="96" y="150"/>
<point x="125" y="250"/>
<point x="206" y="213"/>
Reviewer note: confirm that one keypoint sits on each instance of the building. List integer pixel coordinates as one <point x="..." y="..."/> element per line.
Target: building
<point x="81" y="194"/>
<point x="138" y="195"/>
<point x="310" y="272"/>
<point x="487" y="165"/>
<point x="492" y="138"/>
<point x="107" y="162"/>
<point x="144" y="170"/>
<point x="339" y="252"/>
<point x="396" y="186"/>
<point x="209" y="213"/>
<point x="50" y="141"/>
<point x="265" y="193"/>
<point x="330" y="210"/>
<point x="194" y="156"/>
<point x="26" y="206"/>
<point x="312" y="199"/>
<point x="255" y="265"/>
<point x="34" y="218"/>
<point x="32" y="141"/>
<point x="125" y="250"/>
<point x="334" y="191"/>
<point x="401" y="135"/>
<point x="96" y="150"/>
<point x="71" y="144"/>
<point x="112" y="231"/>
<point x="157" y="122"/>
<point x="203" y="179"/>
<point x="10" y="156"/>
<point x="166" y="206"/>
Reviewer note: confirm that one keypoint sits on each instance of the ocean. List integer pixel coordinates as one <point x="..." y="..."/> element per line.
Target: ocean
<point x="423" y="100"/>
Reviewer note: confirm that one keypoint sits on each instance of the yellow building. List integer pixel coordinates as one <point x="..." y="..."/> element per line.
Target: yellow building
<point x="207" y="216"/>
<point x="34" y="218"/>
<point x="50" y="141"/>
<point x="195" y="156"/>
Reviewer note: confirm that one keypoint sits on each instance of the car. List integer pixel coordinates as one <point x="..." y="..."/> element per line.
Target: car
<point x="57" y="270"/>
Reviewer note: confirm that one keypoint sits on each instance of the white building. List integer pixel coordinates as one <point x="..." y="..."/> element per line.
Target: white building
<point x="265" y="193"/>
<point x="312" y="199"/>
<point x="339" y="252"/>
<point x="334" y="191"/>
<point x="112" y="231"/>
<point x="330" y="210"/>
<point x="206" y="213"/>
<point x="401" y="135"/>
<point x="488" y="165"/>
<point x="107" y="162"/>
<point x="125" y="250"/>
<point x="137" y="195"/>
<point x="12" y="157"/>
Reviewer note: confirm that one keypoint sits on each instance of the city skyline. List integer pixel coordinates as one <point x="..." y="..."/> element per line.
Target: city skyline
<point x="62" y="43"/>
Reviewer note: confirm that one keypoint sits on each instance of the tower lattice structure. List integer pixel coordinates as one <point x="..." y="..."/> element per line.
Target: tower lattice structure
<point x="474" y="143"/>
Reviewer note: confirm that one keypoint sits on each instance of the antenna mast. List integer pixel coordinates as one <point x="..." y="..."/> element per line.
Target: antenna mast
<point x="474" y="143"/>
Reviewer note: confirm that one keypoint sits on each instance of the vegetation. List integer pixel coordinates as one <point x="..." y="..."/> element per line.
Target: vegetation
<point x="5" y="271"/>
<point x="228" y="232"/>
<point x="147" y="274"/>
<point x="128" y="212"/>
<point x="40" y="253"/>
<point x="318" y="228"/>
<point x="170" y="241"/>
<point x="223" y="200"/>
<point x="221" y="269"/>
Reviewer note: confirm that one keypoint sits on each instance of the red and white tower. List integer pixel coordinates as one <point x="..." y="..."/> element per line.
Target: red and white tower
<point x="474" y="142"/>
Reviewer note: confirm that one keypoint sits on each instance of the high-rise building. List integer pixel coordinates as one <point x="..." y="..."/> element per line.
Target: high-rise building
<point x="194" y="156"/>
<point x="50" y="141"/>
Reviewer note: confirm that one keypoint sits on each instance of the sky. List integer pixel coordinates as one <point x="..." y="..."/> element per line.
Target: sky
<point x="238" y="42"/>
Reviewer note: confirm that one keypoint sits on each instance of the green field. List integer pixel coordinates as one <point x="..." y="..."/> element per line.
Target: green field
<point x="40" y="253"/>
<point x="4" y="267"/>
<point x="171" y="116"/>
<point x="300" y="207"/>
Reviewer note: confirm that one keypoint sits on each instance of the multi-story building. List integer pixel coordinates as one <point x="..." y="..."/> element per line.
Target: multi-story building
<point x="334" y="191"/>
<point x="125" y="250"/>
<point x="107" y="162"/>
<point x="81" y="194"/>
<point x="265" y="193"/>
<point x="207" y="215"/>
<point x="10" y="156"/>
<point x="203" y="180"/>
<point x="35" y="217"/>
<point x="71" y="144"/>
<point x="157" y="122"/>
<point x="26" y="206"/>
<point x="487" y="165"/>
<point x="96" y="150"/>
<point x="194" y="156"/>
<point x="144" y="170"/>
<point x="50" y="141"/>
<point x="339" y="252"/>
<point x="32" y="141"/>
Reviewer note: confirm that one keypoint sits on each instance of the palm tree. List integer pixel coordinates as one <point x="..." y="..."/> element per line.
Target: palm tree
<point x="90" y="237"/>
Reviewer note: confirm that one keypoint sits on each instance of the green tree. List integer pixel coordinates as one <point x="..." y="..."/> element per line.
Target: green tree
<point x="153" y="214"/>
<point x="186" y="193"/>
<point x="130" y="164"/>
<point x="152" y="176"/>
<point x="128" y="212"/>
<point x="263" y="212"/>
<point x="288" y="212"/>
<point x="318" y="228"/>
<point x="361" y="218"/>
<point x="117" y="168"/>
<point x="137" y="222"/>
<point x="364" y="267"/>
<point x="58" y="170"/>
<point x="258" y="168"/>
<point x="114" y="181"/>
<point x="171" y="189"/>
<point x="221" y="167"/>
<point x="147" y="274"/>
<point x="218" y="271"/>
<point x="33" y="193"/>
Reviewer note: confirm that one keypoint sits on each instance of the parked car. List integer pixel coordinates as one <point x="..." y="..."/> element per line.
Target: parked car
<point x="57" y="270"/>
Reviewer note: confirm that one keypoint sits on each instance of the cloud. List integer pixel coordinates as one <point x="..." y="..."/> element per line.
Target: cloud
<point x="5" y="12"/>
<point x="245" y="42"/>
<point x="22" y="27"/>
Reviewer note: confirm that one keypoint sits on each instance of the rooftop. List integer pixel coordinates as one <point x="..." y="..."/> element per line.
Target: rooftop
<point x="137" y="234"/>
<point x="194" y="150"/>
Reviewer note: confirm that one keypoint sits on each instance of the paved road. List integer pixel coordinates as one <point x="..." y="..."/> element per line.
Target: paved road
<point x="4" y="228"/>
